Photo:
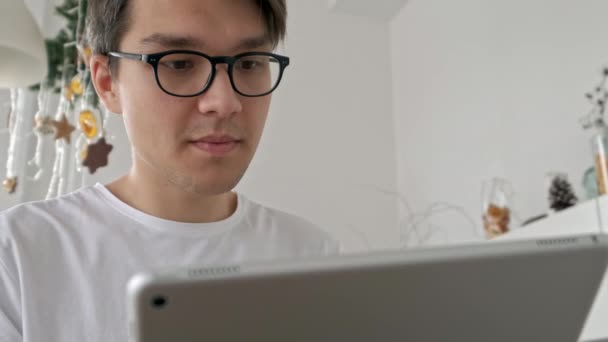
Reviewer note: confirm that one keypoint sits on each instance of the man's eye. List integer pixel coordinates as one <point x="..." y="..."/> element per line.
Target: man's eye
<point x="178" y="65"/>
<point x="250" y="64"/>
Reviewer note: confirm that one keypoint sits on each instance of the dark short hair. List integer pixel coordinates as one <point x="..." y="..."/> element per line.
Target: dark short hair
<point x="108" y="21"/>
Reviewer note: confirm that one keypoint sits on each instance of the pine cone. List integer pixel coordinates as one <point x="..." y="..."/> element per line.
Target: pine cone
<point x="561" y="194"/>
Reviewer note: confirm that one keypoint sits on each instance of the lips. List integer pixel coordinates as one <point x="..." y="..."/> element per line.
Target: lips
<point x="217" y="145"/>
<point x="217" y="139"/>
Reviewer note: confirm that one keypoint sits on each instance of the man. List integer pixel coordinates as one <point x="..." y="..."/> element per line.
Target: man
<point x="194" y="121"/>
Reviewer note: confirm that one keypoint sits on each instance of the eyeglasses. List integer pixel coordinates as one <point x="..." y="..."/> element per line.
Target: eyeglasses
<point x="185" y="73"/>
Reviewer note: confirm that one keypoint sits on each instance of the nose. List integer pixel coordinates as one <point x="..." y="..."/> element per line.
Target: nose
<point x="220" y="99"/>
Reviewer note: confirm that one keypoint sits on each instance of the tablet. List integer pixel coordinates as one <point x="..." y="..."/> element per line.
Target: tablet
<point x="536" y="290"/>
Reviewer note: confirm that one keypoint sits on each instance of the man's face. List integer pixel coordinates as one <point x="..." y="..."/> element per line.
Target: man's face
<point x="182" y="139"/>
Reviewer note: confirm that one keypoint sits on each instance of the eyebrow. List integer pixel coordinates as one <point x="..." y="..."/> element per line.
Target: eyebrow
<point x="190" y="42"/>
<point x="171" y="41"/>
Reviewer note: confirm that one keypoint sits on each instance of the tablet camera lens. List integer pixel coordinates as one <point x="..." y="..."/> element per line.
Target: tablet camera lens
<point x="159" y="302"/>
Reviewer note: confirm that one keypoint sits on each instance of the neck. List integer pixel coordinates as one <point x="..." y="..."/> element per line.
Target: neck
<point x="170" y="202"/>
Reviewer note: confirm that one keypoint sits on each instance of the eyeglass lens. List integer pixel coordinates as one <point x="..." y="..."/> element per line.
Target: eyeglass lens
<point x="189" y="74"/>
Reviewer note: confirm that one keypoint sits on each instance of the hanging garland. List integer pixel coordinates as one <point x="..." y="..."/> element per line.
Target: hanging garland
<point x="78" y="110"/>
<point x="73" y="11"/>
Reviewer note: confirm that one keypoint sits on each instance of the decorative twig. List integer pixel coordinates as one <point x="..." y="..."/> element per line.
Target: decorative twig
<point x="598" y="99"/>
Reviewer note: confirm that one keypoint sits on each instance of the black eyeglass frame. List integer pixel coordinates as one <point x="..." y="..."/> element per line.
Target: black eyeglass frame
<point x="154" y="58"/>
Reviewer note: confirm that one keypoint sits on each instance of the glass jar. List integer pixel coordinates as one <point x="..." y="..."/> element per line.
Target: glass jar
<point x="496" y="211"/>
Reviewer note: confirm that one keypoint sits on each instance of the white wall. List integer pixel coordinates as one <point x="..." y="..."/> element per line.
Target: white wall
<point x="492" y="88"/>
<point x="475" y="90"/>
<point x="328" y="149"/>
<point x="329" y="139"/>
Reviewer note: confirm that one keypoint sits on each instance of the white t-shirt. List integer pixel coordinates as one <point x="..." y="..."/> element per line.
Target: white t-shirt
<point x="65" y="263"/>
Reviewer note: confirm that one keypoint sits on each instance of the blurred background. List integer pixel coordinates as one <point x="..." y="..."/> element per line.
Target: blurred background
<point x="400" y="123"/>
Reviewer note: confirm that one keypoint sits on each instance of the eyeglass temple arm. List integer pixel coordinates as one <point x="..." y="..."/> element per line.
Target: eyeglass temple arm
<point x="133" y="56"/>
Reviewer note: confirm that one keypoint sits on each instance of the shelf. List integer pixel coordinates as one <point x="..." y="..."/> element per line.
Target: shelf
<point x="580" y="219"/>
<point x="584" y="218"/>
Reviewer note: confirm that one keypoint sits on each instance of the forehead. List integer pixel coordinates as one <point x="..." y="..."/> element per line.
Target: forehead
<point x="204" y="24"/>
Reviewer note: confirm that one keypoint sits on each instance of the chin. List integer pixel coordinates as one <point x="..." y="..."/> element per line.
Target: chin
<point x="208" y="186"/>
<point x="207" y="175"/>
<point x="214" y="188"/>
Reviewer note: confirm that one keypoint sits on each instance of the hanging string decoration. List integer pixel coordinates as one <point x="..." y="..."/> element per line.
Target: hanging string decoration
<point x="72" y="135"/>
<point x="43" y="127"/>
<point x="79" y="107"/>
<point x="15" y="123"/>
<point x="63" y="131"/>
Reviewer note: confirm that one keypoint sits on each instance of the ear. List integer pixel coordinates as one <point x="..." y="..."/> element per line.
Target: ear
<point x="104" y="83"/>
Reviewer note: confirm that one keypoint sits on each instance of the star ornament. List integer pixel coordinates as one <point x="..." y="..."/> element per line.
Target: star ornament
<point x="10" y="185"/>
<point x="97" y="155"/>
<point x="63" y="129"/>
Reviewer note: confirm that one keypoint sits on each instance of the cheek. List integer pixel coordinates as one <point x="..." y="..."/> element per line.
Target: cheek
<point x="150" y="114"/>
<point x="256" y="119"/>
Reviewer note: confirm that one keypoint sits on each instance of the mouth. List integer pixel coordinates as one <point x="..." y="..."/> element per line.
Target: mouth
<point x="217" y="145"/>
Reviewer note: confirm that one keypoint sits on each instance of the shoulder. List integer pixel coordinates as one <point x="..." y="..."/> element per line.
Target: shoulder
<point x="40" y="216"/>
<point x="292" y="230"/>
<point x="35" y="209"/>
